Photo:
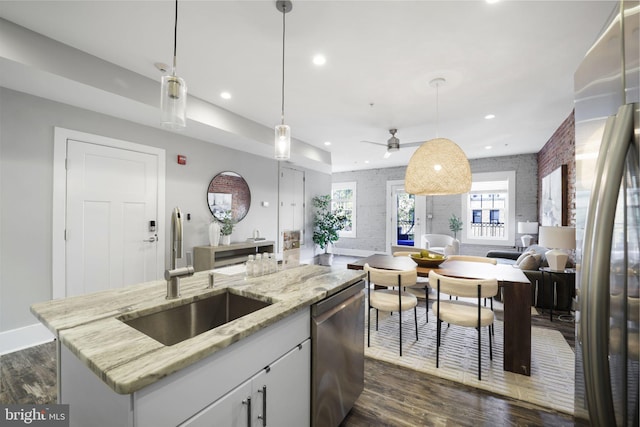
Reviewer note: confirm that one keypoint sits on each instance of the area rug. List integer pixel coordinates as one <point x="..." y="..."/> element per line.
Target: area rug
<point x="551" y="383"/>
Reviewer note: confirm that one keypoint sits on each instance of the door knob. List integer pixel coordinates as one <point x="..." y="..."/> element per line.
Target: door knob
<point x="151" y="239"/>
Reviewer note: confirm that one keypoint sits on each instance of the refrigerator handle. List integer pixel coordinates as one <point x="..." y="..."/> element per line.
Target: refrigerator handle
<point x="594" y="317"/>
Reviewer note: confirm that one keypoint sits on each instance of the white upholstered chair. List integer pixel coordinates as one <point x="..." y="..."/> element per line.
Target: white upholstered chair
<point x="390" y="300"/>
<point x="462" y="313"/>
<point x="472" y="258"/>
<point x="440" y="243"/>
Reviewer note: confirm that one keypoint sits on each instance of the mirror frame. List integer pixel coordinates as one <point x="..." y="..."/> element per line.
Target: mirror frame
<point x="228" y="190"/>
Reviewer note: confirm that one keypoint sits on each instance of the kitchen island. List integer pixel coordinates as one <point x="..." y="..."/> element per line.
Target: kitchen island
<point x="109" y="370"/>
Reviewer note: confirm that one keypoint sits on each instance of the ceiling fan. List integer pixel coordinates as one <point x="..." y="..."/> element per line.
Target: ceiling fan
<point x="393" y="143"/>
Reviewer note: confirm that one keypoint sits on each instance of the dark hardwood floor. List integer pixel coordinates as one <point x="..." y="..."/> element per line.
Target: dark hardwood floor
<point x="393" y="396"/>
<point x="396" y="396"/>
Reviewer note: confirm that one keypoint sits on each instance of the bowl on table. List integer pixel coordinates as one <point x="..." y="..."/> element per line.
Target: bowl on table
<point x="428" y="259"/>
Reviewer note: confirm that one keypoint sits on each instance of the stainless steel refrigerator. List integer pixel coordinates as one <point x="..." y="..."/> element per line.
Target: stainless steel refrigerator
<point x="607" y="117"/>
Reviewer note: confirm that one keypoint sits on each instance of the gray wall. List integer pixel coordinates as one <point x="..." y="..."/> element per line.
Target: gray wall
<point x="26" y="167"/>
<point x="371" y="201"/>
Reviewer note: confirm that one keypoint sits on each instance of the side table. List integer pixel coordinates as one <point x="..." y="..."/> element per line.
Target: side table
<point x="550" y="272"/>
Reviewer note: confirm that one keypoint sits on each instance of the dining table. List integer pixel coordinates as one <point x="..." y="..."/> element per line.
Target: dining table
<point x="516" y="298"/>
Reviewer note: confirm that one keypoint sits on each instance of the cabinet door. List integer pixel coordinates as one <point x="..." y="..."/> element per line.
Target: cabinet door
<point x="282" y="391"/>
<point x="231" y="410"/>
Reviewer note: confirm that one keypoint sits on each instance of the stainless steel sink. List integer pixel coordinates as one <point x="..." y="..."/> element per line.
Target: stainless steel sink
<point x="177" y="324"/>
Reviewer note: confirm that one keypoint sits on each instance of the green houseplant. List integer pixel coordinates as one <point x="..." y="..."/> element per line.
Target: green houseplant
<point x="455" y="225"/>
<point x="326" y="226"/>
<point x="226" y="228"/>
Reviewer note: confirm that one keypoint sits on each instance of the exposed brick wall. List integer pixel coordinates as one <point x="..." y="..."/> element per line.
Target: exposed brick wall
<point x="560" y="150"/>
<point x="236" y="186"/>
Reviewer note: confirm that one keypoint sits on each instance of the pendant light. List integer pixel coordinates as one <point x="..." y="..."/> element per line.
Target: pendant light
<point x="439" y="166"/>
<point x="283" y="132"/>
<point x="173" y="98"/>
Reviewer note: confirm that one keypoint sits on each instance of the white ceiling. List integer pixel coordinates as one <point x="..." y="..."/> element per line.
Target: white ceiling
<point x="514" y="59"/>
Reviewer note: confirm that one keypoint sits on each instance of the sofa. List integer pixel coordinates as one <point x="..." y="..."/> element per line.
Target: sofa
<point x="530" y="260"/>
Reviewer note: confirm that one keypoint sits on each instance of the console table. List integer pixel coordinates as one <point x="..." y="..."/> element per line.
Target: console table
<point x="209" y="257"/>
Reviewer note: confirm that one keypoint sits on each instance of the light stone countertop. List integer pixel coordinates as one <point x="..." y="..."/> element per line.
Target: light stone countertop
<point x="128" y="360"/>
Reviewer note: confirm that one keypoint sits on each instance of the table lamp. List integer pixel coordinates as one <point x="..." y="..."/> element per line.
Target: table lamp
<point x="527" y="228"/>
<point x="558" y="239"/>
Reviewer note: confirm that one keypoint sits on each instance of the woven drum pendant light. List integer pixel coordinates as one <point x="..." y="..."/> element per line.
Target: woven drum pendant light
<point x="439" y="166"/>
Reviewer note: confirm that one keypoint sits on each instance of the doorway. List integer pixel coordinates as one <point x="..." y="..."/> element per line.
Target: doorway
<point x="406" y="216"/>
<point x="108" y="213"/>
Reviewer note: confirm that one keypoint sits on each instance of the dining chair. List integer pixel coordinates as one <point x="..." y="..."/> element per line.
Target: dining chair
<point x="462" y="313"/>
<point x="421" y="283"/>
<point x="390" y="300"/>
<point x="473" y="258"/>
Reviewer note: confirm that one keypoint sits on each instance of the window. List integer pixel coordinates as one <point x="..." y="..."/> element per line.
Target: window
<point x="489" y="209"/>
<point x="343" y="198"/>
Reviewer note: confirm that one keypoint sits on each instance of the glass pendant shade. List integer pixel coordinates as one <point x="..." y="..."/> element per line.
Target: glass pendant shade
<point x="173" y="102"/>
<point x="438" y="167"/>
<point x="283" y="142"/>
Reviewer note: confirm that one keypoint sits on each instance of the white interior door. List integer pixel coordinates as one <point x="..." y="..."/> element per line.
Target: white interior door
<point x="112" y="197"/>
<point x="395" y="192"/>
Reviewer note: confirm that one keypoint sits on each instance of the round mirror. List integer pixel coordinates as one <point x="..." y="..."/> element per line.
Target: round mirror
<point x="228" y="192"/>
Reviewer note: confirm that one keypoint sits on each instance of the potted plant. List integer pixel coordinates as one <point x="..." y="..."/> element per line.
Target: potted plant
<point x="226" y="228"/>
<point x="455" y="225"/>
<point x="326" y="226"/>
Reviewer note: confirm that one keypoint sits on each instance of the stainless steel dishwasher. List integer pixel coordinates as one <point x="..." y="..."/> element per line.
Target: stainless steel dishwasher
<point x="337" y="355"/>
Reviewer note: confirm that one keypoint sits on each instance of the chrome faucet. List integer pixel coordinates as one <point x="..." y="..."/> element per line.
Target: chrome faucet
<point x="173" y="280"/>
<point x="176" y="236"/>
<point x="174" y="274"/>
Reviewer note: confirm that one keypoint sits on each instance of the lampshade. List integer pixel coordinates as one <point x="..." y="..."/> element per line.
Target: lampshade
<point x="557" y="238"/>
<point x="438" y="167"/>
<point x="527" y="227"/>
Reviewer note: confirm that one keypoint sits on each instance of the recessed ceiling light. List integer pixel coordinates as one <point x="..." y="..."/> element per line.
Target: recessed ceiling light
<point x="490" y="116"/>
<point x="319" y="60"/>
<point x="327" y="143"/>
<point x="488" y="147"/>
<point x="492" y="1"/>
<point x="225" y="95"/>
<point x="366" y="162"/>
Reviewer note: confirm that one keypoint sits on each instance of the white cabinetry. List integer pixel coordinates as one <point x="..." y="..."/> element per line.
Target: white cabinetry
<point x="279" y="395"/>
<point x="210" y="384"/>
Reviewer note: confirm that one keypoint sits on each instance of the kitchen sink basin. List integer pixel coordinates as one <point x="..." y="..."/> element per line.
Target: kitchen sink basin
<point x="177" y="324"/>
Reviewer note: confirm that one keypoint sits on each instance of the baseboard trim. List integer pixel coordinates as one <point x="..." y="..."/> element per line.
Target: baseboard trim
<point x="21" y="338"/>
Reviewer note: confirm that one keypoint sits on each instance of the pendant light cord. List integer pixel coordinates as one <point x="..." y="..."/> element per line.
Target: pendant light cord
<point x="284" y="11"/>
<point x="175" y="39"/>
<point x="437" y="110"/>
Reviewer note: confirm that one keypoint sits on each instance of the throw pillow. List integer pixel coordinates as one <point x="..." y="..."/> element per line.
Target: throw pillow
<point x="523" y="256"/>
<point x="530" y="262"/>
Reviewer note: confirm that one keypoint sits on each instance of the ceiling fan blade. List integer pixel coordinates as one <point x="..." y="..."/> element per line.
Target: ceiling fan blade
<point x="376" y="143"/>
<point x="412" y="144"/>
